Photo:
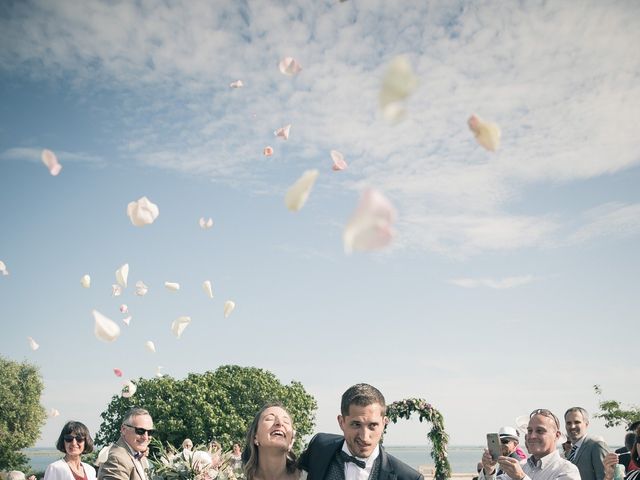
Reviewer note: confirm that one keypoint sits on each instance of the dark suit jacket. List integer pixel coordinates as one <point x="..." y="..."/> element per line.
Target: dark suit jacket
<point x="589" y="459"/>
<point x="323" y="446"/>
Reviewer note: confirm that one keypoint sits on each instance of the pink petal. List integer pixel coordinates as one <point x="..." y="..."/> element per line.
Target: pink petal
<point x="338" y="161"/>
<point x="124" y="308"/>
<point x="283" y="132"/>
<point x="370" y="227"/>
<point x="268" y="151"/>
<point x="51" y="161"/>
<point x="236" y="84"/>
<point x="487" y="133"/>
<point x="117" y="372"/>
<point x="289" y="66"/>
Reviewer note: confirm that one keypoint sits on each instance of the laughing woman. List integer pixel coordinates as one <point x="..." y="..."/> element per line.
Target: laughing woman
<point x="74" y="441"/>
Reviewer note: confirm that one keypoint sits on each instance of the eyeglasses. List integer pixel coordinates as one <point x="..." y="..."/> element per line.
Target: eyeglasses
<point x="141" y="431"/>
<point x="546" y="413"/>
<point x="69" y="438"/>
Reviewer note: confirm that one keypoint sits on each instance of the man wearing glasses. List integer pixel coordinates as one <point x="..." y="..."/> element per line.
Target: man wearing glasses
<point x="127" y="457"/>
<point x="544" y="462"/>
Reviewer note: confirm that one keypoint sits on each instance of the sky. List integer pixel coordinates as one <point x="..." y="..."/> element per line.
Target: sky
<point x="510" y="283"/>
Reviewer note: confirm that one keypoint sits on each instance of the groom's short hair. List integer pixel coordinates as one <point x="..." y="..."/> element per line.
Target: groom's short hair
<point x="361" y="394"/>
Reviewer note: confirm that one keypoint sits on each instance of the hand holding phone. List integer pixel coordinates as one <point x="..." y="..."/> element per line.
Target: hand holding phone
<point x="494" y="446"/>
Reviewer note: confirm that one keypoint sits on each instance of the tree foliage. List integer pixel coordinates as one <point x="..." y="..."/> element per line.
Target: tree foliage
<point x="613" y="413"/>
<point x="21" y="415"/>
<point x="218" y="405"/>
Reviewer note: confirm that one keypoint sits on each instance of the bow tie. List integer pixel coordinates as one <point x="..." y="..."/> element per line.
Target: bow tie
<point x="138" y="455"/>
<point x="348" y="458"/>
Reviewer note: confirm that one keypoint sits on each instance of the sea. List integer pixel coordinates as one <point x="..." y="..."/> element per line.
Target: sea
<point x="463" y="459"/>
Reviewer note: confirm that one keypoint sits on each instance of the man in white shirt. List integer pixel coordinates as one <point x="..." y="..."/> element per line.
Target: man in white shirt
<point x="544" y="463"/>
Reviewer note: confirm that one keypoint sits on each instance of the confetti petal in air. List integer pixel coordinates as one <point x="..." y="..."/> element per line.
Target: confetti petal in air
<point x="51" y="161"/>
<point x="397" y="84"/>
<point x="122" y="274"/>
<point x="298" y="193"/>
<point x="3" y="268"/>
<point x="142" y="212"/>
<point x="54" y="413"/>
<point x="116" y="290"/>
<point x="105" y="329"/>
<point x="127" y="320"/>
<point x="338" y="161"/>
<point x="370" y="227"/>
<point x="124" y="308"/>
<point x="33" y="344"/>
<point x="289" y="66"/>
<point x="150" y="346"/>
<point x="236" y="84"/>
<point x="85" y="281"/>
<point x="283" y="132"/>
<point x="487" y="133"/>
<point x="158" y="371"/>
<point x="172" y="286"/>
<point x="129" y="389"/>
<point x="117" y="372"/>
<point x="205" y="224"/>
<point x="141" y="288"/>
<point x="228" y="308"/>
<point x="208" y="289"/>
<point x="268" y="151"/>
<point x="179" y="324"/>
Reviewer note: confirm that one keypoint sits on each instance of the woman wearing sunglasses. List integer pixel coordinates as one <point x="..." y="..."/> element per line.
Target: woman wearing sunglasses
<point x="74" y="441"/>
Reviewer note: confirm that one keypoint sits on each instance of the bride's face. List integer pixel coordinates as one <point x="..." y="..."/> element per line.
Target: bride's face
<point x="274" y="429"/>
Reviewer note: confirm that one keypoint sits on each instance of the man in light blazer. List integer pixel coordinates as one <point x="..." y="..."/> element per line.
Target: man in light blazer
<point x="357" y="454"/>
<point x="587" y="453"/>
<point x="127" y="457"/>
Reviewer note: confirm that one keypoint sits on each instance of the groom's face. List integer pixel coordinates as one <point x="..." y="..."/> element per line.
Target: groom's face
<point x="363" y="428"/>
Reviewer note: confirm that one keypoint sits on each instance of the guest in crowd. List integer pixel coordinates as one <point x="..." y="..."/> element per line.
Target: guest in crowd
<point x="267" y="454"/>
<point x="236" y="457"/>
<point x="624" y="453"/>
<point x="74" y="441"/>
<point x="587" y="452"/>
<point x="544" y="462"/>
<point x="15" y="475"/>
<point x="509" y="441"/>
<point x="215" y="450"/>
<point x="611" y="459"/>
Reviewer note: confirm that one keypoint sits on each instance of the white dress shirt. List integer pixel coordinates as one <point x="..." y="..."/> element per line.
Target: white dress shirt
<point x="354" y="472"/>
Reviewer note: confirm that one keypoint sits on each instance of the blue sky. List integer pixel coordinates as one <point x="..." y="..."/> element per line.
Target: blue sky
<point x="511" y="283"/>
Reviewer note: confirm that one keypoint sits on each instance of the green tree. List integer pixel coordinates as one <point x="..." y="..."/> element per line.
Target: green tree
<point x="218" y="404"/>
<point x="613" y="413"/>
<point x="21" y="415"/>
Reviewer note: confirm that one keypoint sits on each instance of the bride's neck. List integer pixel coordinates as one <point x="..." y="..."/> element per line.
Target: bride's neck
<point x="272" y="467"/>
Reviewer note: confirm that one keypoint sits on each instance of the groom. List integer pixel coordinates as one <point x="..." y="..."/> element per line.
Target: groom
<point x="357" y="454"/>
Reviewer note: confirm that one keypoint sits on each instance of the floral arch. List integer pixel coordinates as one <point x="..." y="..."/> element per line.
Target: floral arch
<point x="437" y="436"/>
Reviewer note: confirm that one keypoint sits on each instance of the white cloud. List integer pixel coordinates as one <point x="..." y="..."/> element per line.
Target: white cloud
<point x="609" y="220"/>
<point x="499" y="284"/>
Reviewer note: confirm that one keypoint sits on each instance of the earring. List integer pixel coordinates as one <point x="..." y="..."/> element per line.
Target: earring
<point x="257" y="443"/>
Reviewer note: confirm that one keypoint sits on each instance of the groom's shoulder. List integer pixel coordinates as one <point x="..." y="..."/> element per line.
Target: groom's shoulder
<point x="401" y="469"/>
<point x="323" y="440"/>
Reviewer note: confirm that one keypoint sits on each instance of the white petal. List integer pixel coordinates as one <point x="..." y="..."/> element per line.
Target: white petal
<point x="54" y="413"/>
<point x="289" y="66"/>
<point x="158" y="371"/>
<point x="298" y="193"/>
<point x="338" y="160"/>
<point x="128" y="389"/>
<point x="105" y="329"/>
<point x="487" y="133"/>
<point x="236" y="84"/>
<point x="142" y="212"/>
<point x="179" y="324"/>
<point x="122" y="274"/>
<point x="51" y="161"/>
<point x="3" y="268"/>
<point x="150" y="346"/>
<point x="127" y="320"/>
<point x="205" y="224"/>
<point x="33" y="344"/>
<point x="172" y="286"/>
<point x="398" y="82"/>
<point x="116" y="290"/>
<point x="124" y="308"/>
<point x="283" y="132"/>
<point x="228" y="308"/>
<point x="208" y="289"/>
<point x="370" y="227"/>
<point x="85" y="281"/>
<point x="141" y="288"/>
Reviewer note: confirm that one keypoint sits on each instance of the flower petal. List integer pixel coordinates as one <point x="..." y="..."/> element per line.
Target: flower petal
<point x="127" y="320"/>
<point x="205" y="224"/>
<point x="487" y="133"/>
<point x="122" y="274"/>
<point x="229" y="306"/>
<point x="54" y="413"/>
<point x="105" y="329"/>
<point x="283" y="132"/>
<point x="116" y="290"/>
<point x="179" y="324"/>
<point x="3" y="268"/>
<point x="370" y="227"/>
<point x="208" y="289"/>
<point x="142" y="212"/>
<point x="397" y="84"/>
<point x="33" y="344"/>
<point x="124" y="308"/>
<point x="268" y="151"/>
<point x="289" y="66"/>
<point x="150" y="346"/>
<point x="51" y="161"/>
<point x="85" y="281"/>
<point x="158" y="371"/>
<point x="298" y="193"/>
<point x="128" y="389"/>
<point x="117" y="372"/>
<point x="172" y="286"/>
<point x="141" y="288"/>
<point x="237" y="84"/>
<point x="338" y="161"/>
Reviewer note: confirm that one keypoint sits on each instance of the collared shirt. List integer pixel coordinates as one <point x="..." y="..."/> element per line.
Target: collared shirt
<point x="549" y="467"/>
<point x="578" y="444"/>
<point x="354" y="472"/>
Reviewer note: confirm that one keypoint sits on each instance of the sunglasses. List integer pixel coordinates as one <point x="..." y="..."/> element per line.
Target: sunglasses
<point x="140" y="430"/>
<point x="504" y="441"/>
<point x="546" y="413"/>
<point x="70" y="438"/>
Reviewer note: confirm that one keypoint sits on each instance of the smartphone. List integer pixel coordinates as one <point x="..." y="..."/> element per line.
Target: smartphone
<point x="494" y="446"/>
